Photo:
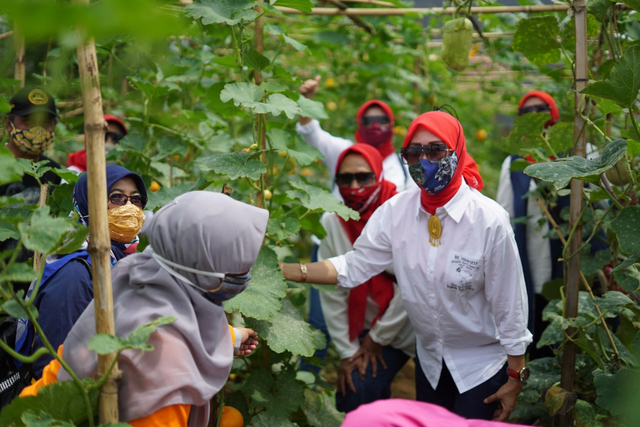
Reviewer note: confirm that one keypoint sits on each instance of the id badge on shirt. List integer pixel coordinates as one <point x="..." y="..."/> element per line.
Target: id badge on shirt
<point x="464" y="274"/>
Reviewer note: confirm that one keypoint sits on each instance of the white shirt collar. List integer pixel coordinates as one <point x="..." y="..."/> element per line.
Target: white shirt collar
<point x="454" y="208"/>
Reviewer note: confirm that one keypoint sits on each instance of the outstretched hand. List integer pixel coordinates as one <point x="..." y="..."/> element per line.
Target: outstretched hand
<point x="310" y="87"/>
<point x="248" y="342"/>
<point x="507" y="395"/>
<point x="347" y="366"/>
<point x="370" y="351"/>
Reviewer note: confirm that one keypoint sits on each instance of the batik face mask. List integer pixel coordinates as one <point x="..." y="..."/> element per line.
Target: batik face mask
<point x="125" y="222"/>
<point x="434" y="177"/>
<point x="33" y="141"/>
<point x="230" y="284"/>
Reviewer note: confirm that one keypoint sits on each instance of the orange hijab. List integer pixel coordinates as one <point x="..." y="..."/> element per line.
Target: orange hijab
<point x="449" y="130"/>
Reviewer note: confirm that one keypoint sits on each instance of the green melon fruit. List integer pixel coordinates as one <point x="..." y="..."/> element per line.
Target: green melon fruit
<point x="619" y="175"/>
<point x="456" y="43"/>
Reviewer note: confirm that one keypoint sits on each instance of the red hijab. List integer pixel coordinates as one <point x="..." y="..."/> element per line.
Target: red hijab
<point x="548" y="99"/>
<point x="385" y="148"/>
<point x="449" y="130"/>
<point x="79" y="158"/>
<point x="379" y="287"/>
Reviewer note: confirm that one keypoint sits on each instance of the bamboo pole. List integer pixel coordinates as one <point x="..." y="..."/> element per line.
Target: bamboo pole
<point x="100" y="243"/>
<point x="37" y="256"/>
<point x="261" y="123"/>
<point x="373" y="2"/>
<point x="356" y="19"/>
<point x="7" y="34"/>
<point x="19" y="70"/>
<point x="426" y="10"/>
<point x="572" y="286"/>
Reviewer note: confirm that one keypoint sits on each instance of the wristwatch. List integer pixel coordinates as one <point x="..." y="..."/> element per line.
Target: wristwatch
<point x="522" y="375"/>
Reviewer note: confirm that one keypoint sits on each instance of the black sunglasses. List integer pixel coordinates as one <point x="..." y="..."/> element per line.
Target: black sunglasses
<point x="381" y="120"/>
<point x="364" y="179"/>
<point x="537" y="108"/>
<point x="434" y="153"/>
<point x="120" y="199"/>
<point x="115" y="136"/>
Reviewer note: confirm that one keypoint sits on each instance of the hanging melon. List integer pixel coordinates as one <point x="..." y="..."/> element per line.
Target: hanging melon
<point x="456" y="43"/>
<point x="619" y="174"/>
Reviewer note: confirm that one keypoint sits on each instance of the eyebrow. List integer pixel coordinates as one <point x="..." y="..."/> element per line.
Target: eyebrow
<point x="114" y="189"/>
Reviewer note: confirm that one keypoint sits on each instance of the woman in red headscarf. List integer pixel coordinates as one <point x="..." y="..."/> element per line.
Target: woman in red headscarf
<point x="457" y="265"/>
<point x="116" y="130"/>
<point x="368" y="324"/>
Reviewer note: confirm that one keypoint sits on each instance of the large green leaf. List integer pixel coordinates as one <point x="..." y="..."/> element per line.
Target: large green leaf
<point x="321" y="410"/>
<point x="45" y="233"/>
<point x="235" y="165"/>
<point x="589" y="414"/>
<point x="281" y="228"/>
<point x="43" y="420"/>
<point x="105" y="344"/>
<point x="10" y="171"/>
<point x="634" y="4"/>
<point x="560" y="137"/>
<point x="562" y="171"/>
<point x="623" y="83"/>
<point x="287" y="331"/>
<point x="526" y="133"/>
<point x="267" y="419"/>
<point x="302" y="152"/>
<point x="627" y="228"/>
<point x="311" y="108"/>
<point x="616" y="390"/>
<point x="316" y="198"/>
<point x="628" y="278"/>
<point x="544" y="30"/>
<point x="263" y="297"/>
<point x="229" y="12"/>
<point x="256" y="60"/>
<point x="22" y="272"/>
<point x="280" y="397"/>
<point x="251" y="96"/>
<point x="294" y="43"/>
<point x="613" y="303"/>
<point x="61" y="401"/>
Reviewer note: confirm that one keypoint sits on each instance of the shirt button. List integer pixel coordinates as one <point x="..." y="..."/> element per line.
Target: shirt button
<point x="430" y="270"/>
<point x="432" y="296"/>
<point x="435" y="316"/>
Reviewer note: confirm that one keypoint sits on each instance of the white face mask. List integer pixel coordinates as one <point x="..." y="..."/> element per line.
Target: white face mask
<point x="230" y="284"/>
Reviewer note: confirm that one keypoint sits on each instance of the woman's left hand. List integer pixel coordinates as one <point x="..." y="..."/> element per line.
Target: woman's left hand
<point x="249" y="341"/>
<point x="371" y="351"/>
<point x="507" y="395"/>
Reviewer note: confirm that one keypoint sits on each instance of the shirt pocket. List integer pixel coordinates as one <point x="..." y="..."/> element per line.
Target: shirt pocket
<point x="464" y="274"/>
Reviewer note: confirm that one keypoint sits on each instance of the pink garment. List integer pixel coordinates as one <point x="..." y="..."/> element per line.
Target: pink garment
<point x="409" y="413"/>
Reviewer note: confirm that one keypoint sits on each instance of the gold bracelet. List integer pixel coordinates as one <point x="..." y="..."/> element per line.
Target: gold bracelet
<point x="303" y="272"/>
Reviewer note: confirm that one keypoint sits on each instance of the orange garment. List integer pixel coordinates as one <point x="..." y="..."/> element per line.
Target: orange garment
<point x="169" y="416"/>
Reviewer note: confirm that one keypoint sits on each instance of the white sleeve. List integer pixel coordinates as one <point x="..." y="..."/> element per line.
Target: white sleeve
<point x="335" y="305"/>
<point x="330" y="146"/>
<point x="372" y="252"/>
<point x="392" y="322"/>
<point x="505" y="289"/>
<point x="504" y="196"/>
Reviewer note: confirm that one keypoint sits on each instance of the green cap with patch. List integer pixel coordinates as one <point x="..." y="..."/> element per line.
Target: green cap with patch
<point x="31" y="99"/>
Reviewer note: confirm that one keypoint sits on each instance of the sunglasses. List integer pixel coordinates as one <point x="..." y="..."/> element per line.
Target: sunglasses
<point x="115" y="136"/>
<point x="370" y="120"/>
<point x="120" y="199"/>
<point x="433" y="152"/>
<point x="364" y="179"/>
<point x="537" y="108"/>
<point x="237" y="279"/>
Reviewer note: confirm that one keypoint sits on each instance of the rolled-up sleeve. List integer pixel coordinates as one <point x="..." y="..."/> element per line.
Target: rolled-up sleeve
<point x="506" y="291"/>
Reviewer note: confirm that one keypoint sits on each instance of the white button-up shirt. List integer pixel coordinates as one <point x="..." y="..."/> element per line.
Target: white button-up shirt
<point x="466" y="298"/>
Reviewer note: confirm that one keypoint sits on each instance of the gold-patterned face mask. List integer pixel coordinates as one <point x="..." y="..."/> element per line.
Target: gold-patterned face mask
<point x="32" y="141"/>
<point x="125" y="222"/>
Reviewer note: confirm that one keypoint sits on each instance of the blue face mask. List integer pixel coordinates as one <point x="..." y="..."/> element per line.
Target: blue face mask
<point x="434" y="177"/>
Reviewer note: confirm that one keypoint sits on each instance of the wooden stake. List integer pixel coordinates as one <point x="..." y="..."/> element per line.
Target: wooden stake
<point x="258" y="43"/>
<point x="100" y="243"/>
<point x="572" y="286"/>
<point x="37" y="257"/>
<point x="5" y="35"/>
<point x="19" y="71"/>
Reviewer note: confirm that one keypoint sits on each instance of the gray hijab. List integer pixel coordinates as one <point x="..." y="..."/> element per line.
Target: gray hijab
<point x="193" y="356"/>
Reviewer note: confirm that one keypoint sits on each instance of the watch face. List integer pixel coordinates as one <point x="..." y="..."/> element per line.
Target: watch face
<point x="524" y="374"/>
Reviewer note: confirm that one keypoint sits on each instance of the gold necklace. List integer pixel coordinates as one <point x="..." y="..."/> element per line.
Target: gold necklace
<point x="435" y="230"/>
